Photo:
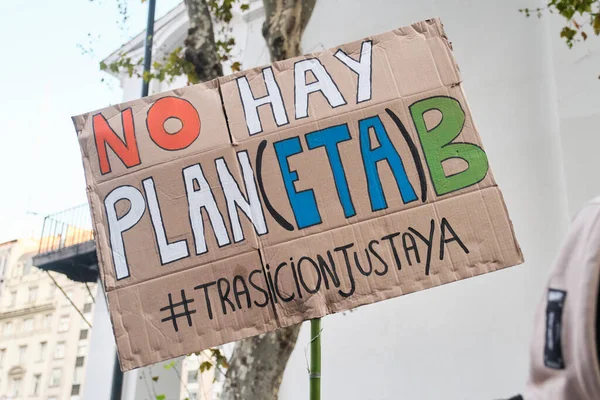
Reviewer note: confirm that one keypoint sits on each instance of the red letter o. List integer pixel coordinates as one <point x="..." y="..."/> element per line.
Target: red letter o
<point x="173" y="107"/>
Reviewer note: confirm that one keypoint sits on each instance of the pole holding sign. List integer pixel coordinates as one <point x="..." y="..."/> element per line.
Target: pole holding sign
<point x="315" y="359"/>
<point x="285" y="193"/>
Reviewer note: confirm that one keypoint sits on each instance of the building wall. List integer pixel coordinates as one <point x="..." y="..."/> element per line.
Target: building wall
<point x="43" y="340"/>
<point x="536" y="109"/>
<point x="102" y="353"/>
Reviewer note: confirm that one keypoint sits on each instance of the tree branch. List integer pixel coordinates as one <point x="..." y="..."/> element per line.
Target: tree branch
<point x="257" y="365"/>
<point x="285" y="21"/>
<point x="200" y="47"/>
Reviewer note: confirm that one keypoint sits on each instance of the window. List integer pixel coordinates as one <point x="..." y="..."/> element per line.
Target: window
<point x="28" y="325"/>
<point x="27" y="267"/>
<point x="59" y="350"/>
<point x="82" y="349"/>
<point x="22" y="354"/>
<point x="79" y="361"/>
<point x="75" y="390"/>
<point x="78" y="375"/>
<point x="42" y="353"/>
<point x="66" y="301"/>
<point x="83" y="334"/>
<point x="15" y="270"/>
<point x="13" y="299"/>
<point x="37" y="381"/>
<point x="2" y="356"/>
<point x="63" y="325"/>
<point x="15" y="386"/>
<point x="8" y="328"/>
<point x="51" y="291"/>
<point x="47" y="321"/>
<point x="32" y="294"/>
<point x="87" y="307"/>
<point x="55" y="377"/>
<point x="192" y="376"/>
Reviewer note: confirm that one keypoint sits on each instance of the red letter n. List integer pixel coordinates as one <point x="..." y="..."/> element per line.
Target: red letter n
<point x="127" y="150"/>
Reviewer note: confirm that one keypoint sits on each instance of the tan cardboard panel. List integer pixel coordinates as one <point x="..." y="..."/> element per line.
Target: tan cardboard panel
<point x="390" y="256"/>
<point x="334" y="180"/>
<point x="334" y="271"/>
<point x="139" y="132"/>
<point x="316" y="172"/>
<point x="403" y="62"/>
<point x="147" y="335"/>
<point x="185" y="244"/>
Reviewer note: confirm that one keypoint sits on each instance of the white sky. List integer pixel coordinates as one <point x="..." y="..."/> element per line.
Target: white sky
<point x="45" y="80"/>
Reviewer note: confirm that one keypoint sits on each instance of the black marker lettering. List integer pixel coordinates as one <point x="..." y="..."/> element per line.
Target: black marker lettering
<point x="429" y="243"/>
<point x="413" y="247"/>
<point x="224" y="295"/>
<point x="446" y="225"/>
<point x="302" y="281"/>
<point x="359" y="267"/>
<point x="260" y="289"/>
<point x="237" y="293"/>
<point x="270" y="285"/>
<point x="381" y="260"/>
<point x="330" y="271"/>
<point x="295" y="277"/>
<point x="206" y="296"/>
<point x="390" y="238"/>
<point x="276" y="284"/>
<point x="344" y="249"/>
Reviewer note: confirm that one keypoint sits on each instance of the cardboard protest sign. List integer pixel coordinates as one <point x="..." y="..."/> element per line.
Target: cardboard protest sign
<point x="314" y="185"/>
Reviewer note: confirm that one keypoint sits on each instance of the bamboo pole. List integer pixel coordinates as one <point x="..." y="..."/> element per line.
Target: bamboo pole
<point x="315" y="359"/>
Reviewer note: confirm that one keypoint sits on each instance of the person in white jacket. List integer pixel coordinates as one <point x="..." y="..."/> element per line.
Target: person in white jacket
<point x="564" y="352"/>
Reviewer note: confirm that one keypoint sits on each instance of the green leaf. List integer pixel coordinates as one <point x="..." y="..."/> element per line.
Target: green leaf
<point x="103" y="66"/>
<point x="245" y="7"/>
<point x="147" y="76"/>
<point x="596" y="24"/>
<point x="160" y="397"/>
<point x="155" y="378"/>
<point x="568" y="34"/>
<point x="205" y="366"/>
<point x="169" y="365"/>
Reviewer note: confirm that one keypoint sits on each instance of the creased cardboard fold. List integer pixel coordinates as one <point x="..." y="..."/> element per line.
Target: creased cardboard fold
<point x="288" y="192"/>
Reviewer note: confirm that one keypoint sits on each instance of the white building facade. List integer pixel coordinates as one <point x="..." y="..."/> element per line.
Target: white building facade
<point x="43" y="339"/>
<point x="537" y="107"/>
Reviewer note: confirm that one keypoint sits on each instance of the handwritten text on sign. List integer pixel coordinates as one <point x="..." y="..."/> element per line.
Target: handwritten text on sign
<point x="307" y="187"/>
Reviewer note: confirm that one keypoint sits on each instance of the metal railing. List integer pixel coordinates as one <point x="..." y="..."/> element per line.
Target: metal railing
<point x="66" y="228"/>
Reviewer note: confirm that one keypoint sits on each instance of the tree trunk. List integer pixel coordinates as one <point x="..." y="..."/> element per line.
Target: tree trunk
<point x="200" y="47"/>
<point x="285" y="21"/>
<point x="257" y="364"/>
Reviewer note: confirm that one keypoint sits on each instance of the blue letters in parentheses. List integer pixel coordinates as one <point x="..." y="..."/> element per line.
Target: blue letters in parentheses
<point x="329" y="138"/>
<point x="385" y="151"/>
<point x="304" y="204"/>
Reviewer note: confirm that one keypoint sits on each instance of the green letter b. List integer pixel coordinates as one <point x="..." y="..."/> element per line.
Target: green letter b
<point x="438" y="147"/>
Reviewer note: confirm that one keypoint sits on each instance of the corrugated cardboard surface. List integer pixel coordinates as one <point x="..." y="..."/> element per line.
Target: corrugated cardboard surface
<point x="240" y="287"/>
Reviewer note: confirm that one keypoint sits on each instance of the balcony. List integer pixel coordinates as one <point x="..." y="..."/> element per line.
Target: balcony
<point x="67" y="245"/>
